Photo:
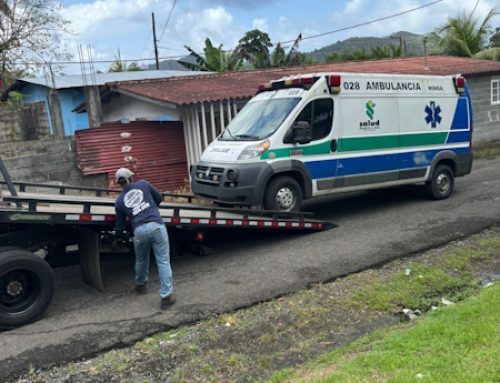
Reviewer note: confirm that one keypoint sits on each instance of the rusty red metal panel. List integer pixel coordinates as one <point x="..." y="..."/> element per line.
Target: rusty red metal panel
<point x="153" y="150"/>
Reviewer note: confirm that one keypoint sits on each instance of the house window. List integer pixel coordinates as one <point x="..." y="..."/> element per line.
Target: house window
<point x="495" y="91"/>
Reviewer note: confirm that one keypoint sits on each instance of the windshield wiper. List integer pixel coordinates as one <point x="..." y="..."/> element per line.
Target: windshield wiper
<point x="247" y="136"/>
<point x="230" y="134"/>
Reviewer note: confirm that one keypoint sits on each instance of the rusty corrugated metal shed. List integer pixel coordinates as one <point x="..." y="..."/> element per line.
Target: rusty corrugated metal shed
<point x="153" y="150"/>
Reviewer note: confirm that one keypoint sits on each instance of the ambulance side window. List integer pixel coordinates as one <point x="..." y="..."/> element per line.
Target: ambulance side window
<point x="319" y="114"/>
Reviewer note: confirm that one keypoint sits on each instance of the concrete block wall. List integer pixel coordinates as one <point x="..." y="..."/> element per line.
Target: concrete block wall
<point x="486" y="116"/>
<point x="24" y="123"/>
<point x="52" y="162"/>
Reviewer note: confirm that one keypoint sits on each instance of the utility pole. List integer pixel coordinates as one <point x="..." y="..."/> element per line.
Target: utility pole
<point x="155" y="42"/>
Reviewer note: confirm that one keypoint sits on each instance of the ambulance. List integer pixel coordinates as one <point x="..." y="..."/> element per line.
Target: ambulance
<point x="323" y="133"/>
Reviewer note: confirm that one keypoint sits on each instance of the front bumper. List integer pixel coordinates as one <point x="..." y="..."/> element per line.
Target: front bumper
<point x="214" y="181"/>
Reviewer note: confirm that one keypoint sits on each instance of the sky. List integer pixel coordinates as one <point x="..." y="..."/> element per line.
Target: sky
<point x="109" y="25"/>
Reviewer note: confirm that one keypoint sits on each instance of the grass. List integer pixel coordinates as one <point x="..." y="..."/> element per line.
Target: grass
<point x="459" y="343"/>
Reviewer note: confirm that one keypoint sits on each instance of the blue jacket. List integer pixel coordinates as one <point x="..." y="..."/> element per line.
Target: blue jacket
<point x="138" y="202"/>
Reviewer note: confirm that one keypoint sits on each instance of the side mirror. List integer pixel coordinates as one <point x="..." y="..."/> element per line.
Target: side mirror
<point x="299" y="133"/>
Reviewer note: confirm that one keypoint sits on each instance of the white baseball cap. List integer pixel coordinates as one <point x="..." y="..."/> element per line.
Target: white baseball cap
<point x="123" y="173"/>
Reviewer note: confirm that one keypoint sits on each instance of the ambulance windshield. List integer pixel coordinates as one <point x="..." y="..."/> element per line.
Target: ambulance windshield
<point x="259" y="119"/>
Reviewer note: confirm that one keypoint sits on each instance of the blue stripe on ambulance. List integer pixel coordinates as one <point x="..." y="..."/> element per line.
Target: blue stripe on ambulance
<point x="373" y="164"/>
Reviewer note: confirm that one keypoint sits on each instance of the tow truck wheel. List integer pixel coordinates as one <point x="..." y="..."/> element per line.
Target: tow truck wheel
<point x="441" y="184"/>
<point x="283" y="194"/>
<point x="8" y="248"/>
<point x="26" y="287"/>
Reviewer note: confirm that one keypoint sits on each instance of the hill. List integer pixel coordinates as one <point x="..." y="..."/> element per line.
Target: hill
<point x="412" y="45"/>
<point x="172" y="64"/>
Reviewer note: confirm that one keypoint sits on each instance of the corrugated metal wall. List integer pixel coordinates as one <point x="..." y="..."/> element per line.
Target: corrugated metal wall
<point x="154" y="151"/>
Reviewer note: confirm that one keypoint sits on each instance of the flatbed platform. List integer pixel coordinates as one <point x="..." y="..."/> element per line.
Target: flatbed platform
<point x="57" y="208"/>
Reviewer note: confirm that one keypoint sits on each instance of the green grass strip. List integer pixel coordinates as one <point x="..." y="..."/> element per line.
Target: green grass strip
<point x="459" y="343"/>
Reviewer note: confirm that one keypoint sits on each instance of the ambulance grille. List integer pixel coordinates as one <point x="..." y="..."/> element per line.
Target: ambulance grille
<point x="209" y="175"/>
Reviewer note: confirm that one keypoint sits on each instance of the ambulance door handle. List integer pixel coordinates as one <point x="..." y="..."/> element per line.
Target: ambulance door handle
<point x="333" y="145"/>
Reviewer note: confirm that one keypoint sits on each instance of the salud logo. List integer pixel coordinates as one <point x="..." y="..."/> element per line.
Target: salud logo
<point x="370" y="125"/>
<point x="369" y="109"/>
<point x="433" y="112"/>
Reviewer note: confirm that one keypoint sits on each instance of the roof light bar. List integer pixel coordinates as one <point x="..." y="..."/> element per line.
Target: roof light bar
<point x="334" y="81"/>
<point x="299" y="82"/>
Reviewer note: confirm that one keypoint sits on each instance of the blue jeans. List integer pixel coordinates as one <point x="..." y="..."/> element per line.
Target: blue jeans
<point x="147" y="236"/>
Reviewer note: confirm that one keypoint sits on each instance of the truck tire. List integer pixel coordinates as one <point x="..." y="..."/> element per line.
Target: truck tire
<point x="8" y="248"/>
<point x="440" y="186"/>
<point x="26" y="287"/>
<point x="283" y="194"/>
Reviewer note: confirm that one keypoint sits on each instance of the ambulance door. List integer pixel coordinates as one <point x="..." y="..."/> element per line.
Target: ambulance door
<point x="317" y="154"/>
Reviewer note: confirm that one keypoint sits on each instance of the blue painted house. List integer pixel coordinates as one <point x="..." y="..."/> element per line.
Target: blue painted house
<point x="71" y="94"/>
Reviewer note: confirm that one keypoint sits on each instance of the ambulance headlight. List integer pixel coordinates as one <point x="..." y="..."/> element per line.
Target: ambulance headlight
<point x="254" y="150"/>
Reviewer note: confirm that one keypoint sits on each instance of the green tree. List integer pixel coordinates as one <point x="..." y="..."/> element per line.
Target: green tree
<point x="215" y="59"/>
<point x="333" y="57"/>
<point x="254" y="48"/>
<point x="463" y="35"/>
<point x="30" y="31"/>
<point x="358" y="54"/>
<point x="121" y="66"/>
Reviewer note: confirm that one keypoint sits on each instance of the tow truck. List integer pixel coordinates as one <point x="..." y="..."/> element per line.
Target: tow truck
<point x="39" y="222"/>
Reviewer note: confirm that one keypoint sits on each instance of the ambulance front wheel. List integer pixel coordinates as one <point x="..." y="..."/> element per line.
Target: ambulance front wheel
<point x="283" y="194"/>
<point x="441" y="183"/>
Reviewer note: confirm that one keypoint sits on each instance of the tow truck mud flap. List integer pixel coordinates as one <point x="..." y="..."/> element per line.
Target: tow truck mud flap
<point x="88" y="244"/>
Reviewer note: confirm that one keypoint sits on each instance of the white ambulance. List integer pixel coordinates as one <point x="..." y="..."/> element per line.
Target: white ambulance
<point x="323" y="133"/>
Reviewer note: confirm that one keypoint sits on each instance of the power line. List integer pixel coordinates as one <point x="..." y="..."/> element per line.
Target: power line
<point x="168" y="19"/>
<point x="364" y="23"/>
<point x="232" y="50"/>
<point x="172" y="49"/>
<point x="146" y="43"/>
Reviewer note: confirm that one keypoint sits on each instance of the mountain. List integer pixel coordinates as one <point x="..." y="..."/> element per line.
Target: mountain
<point x="173" y="64"/>
<point x="412" y="43"/>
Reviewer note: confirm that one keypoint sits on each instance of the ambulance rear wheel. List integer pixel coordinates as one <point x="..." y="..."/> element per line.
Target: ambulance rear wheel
<point x="26" y="287"/>
<point x="441" y="184"/>
<point x="283" y="194"/>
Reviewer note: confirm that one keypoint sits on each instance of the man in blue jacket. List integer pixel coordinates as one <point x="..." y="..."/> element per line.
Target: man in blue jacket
<point x="138" y="203"/>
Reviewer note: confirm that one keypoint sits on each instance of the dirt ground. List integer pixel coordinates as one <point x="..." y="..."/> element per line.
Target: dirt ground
<point x="252" y="344"/>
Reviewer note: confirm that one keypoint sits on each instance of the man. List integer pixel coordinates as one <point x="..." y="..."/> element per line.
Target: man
<point x="138" y="202"/>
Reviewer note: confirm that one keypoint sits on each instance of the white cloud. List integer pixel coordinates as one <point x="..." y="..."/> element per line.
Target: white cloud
<point x="195" y="26"/>
<point x="260" y="24"/>
<point x="354" y="6"/>
<point x="103" y="16"/>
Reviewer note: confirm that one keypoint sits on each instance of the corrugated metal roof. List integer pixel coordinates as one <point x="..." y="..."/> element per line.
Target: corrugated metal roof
<point x="153" y="150"/>
<point x="243" y="84"/>
<point x="76" y="81"/>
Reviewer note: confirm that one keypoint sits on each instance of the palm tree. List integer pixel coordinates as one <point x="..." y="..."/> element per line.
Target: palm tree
<point x="463" y="35"/>
<point x="215" y="60"/>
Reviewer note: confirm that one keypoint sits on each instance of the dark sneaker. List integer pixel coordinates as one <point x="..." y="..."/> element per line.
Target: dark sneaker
<point x="141" y="289"/>
<point x="167" y="301"/>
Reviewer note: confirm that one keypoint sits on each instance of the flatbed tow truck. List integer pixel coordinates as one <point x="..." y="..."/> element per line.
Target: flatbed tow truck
<point x="37" y="227"/>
